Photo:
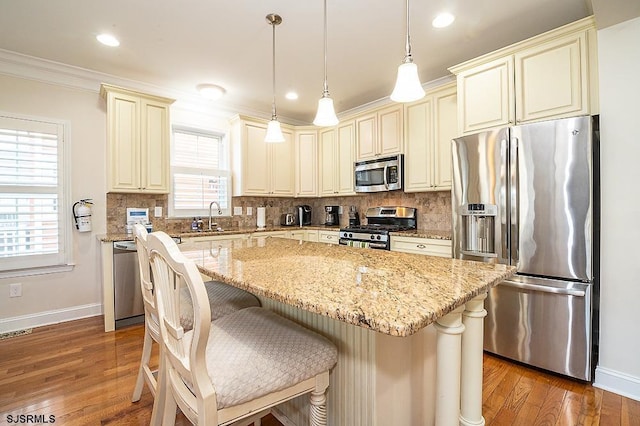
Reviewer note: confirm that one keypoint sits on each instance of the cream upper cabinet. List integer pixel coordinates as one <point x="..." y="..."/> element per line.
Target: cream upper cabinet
<point x="551" y="80"/>
<point x="430" y="124"/>
<point x="261" y="168"/>
<point x="306" y="161"/>
<point x="380" y="132"/>
<point x="553" y="75"/>
<point x="337" y="155"/>
<point x="486" y="96"/>
<point x="138" y="135"/>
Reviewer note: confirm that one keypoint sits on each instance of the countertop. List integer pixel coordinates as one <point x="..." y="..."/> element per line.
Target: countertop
<point x="439" y="235"/>
<point x="389" y="292"/>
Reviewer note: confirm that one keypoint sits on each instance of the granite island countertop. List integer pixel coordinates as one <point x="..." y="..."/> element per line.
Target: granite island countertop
<point x="389" y="292"/>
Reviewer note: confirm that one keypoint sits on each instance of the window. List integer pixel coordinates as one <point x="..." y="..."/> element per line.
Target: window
<point x="199" y="173"/>
<point x="34" y="224"/>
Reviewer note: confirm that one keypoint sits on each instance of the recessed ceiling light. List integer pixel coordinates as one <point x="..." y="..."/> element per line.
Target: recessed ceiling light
<point x="108" y="40"/>
<point x="292" y="96"/>
<point x="211" y="91"/>
<point x="443" y="20"/>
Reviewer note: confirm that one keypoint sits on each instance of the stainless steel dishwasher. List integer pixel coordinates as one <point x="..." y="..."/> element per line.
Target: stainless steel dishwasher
<point x="129" y="306"/>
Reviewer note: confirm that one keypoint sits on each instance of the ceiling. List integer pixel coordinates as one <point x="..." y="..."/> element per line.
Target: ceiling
<point x="178" y="45"/>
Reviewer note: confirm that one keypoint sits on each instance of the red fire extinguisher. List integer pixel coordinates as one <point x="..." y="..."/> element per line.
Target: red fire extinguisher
<point x="82" y="215"/>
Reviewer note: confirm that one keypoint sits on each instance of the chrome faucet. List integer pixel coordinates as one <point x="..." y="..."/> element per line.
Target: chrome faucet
<point x="211" y="223"/>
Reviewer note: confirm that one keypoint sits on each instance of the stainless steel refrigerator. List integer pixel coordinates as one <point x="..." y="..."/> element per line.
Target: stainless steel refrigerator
<point x="528" y="196"/>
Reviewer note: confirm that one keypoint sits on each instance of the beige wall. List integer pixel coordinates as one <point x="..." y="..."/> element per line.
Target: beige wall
<point x="86" y="113"/>
<point x="619" y="66"/>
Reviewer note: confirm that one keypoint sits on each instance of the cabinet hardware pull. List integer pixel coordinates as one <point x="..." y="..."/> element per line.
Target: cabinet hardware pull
<point x="421" y="246"/>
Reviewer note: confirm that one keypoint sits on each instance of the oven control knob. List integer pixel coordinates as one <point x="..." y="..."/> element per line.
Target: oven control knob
<point x="378" y="237"/>
<point x="373" y="237"/>
<point x="350" y="235"/>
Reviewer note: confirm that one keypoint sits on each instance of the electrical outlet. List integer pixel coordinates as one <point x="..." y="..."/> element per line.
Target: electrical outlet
<point x="157" y="211"/>
<point x="15" y="290"/>
<point x="339" y="209"/>
<point x="249" y="211"/>
<point x="237" y="211"/>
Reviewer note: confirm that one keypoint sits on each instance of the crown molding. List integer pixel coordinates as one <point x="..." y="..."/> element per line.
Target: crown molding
<point x="46" y="71"/>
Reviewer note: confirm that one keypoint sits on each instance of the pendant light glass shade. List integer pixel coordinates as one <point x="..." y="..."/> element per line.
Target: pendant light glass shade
<point x="408" y="87"/>
<point x="274" y="132"/>
<point x="326" y="115"/>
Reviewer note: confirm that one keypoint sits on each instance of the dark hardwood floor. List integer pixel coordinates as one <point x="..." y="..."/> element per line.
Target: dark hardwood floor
<point x="83" y="376"/>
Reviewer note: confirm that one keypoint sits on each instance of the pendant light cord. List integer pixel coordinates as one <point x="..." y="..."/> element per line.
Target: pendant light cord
<point x="408" y="58"/>
<point x="273" y="104"/>
<point x="325" y="93"/>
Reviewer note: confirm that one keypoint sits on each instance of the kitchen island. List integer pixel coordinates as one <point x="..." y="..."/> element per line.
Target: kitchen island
<point x="396" y="318"/>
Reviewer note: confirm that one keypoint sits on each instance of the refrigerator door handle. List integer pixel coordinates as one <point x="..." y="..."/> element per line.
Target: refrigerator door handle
<point x="504" y="243"/>
<point x="514" y="200"/>
<point x="544" y="289"/>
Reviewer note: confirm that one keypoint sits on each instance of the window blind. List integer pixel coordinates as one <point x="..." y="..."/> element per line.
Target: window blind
<point x="200" y="172"/>
<point x="32" y="227"/>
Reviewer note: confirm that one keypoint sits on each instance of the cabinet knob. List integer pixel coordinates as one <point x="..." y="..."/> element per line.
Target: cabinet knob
<point x="421" y="246"/>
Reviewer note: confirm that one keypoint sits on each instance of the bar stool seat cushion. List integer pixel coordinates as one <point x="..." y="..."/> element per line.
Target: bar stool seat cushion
<point x="254" y="352"/>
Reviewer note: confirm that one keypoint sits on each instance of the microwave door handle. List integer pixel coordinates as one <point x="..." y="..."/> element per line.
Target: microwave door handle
<point x="384" y="173"/>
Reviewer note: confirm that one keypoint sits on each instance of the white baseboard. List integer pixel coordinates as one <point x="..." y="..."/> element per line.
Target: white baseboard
<point x="616" y="382"/>
<point x="49" y="317"/>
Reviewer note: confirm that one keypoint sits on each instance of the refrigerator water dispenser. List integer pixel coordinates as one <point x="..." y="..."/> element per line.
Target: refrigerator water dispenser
<point x="478" y="221"/>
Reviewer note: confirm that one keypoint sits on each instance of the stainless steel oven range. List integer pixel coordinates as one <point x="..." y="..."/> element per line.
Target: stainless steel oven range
<point x="380" y="222"/>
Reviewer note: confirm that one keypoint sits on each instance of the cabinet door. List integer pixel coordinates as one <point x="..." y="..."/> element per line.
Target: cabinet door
<point x="445" y="129"/>
<point x="345" y="157"/>
<point x="552" y="79"/>
<point x="154" y="147"/>
<point x="419" y="148"/>
<point x="281" y="166"/>
<point x="485" y="96"/>
<point x="307" y="164"/>
<point x="328" y="167"/>
<point x="367" y="136"/>
<point x="255" y="172"/>
<point x="124" y="142"/>
<point x="390" y="128"/>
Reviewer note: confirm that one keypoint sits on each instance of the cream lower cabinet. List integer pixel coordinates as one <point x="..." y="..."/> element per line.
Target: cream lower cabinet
<point x="306" y="162"/>
<point x="199" y="238"/>
<point x="430" y="124"/>
<point x="138" y="135"/>
<point x="261" y="168"/>
<point x="304" y="235"/>
<point x="380" y="133"/>
<point x="426" y="246"/>
<point x="337" y="155"/>
<point x="553" y="75"/>
<point x="331" y="237"/>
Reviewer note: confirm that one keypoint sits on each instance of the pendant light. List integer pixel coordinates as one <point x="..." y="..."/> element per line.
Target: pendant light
<point x="326" y="115"/>
<point x="274" y="133"/>
<point x="408" y="87"/>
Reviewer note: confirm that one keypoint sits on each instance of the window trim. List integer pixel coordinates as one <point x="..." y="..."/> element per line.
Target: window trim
<point x="224" y="138"/>
<point x="65" y="254"/>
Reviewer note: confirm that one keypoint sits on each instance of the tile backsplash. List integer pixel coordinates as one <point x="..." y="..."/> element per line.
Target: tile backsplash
<point x="434" y="209"/>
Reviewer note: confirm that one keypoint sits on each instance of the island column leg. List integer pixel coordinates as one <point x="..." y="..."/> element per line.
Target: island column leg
<point x="471" y="383"/>
<point x="448" y="354"/>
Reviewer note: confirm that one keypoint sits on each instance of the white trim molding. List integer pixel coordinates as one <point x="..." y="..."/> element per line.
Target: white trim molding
<point x="617" y="382"/>
<point x="50" y="317"/>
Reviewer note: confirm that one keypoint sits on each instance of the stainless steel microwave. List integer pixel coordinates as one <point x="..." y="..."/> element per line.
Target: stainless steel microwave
<point x="380" y="174"/>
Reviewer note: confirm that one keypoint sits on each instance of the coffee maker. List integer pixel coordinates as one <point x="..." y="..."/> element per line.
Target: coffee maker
<point x="331" y="215"/>
<point x="354" y="218"/>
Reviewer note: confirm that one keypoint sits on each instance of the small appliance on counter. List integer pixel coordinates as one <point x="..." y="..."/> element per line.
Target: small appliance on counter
<point x="354" y="217"/>
<point x="331" y="217"/>
<point x="137" y="215"/>
<point x="287" y="219"/>
<point x="304" y="215"/>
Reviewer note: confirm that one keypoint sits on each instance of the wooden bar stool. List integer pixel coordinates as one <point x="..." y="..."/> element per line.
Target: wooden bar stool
<point x="223" y="299"/>
<point x="227" y="370"/>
